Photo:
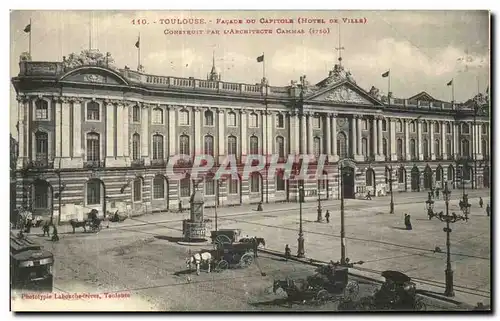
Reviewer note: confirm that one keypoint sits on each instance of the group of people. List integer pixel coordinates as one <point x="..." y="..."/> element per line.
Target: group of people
<point x="27" y="224"/>
<point x="488" y="207"/>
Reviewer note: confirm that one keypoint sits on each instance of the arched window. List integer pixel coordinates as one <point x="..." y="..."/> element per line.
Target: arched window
<point x="157" y="116"/>
<point x="280" y="146"/>
<point x="317" y="146"/>
<point x="437" y="147"/>
<point x="136" y="114"/>
<point x="93" y="147"/>
<point x="183" y="117"/>
<point x="399" y="125"/>
<point x="185" y="187"/>
<point x="399" y="148"/>
<point x="209" y="145"/>
<point x="437" y="127"/>
<point x="341" y="145"/>
<point x="41" y="195"/>
<point x="364" y="146"/>
<point x="384" y="125"/>
<point x="465" y="147"/>
<point x="231" y="119"/>
<point x="280" y="182"/>
<point x="466" y="173"/>
<point x="157" y="146"/>
<point x="254" y="145"/>
<point x="424" y="127"/>
<point x="209" y="118"/>
<point x="448" y="128"/>
<point x="369" y="177"/>
<point x="137" y="189"/>
<point x="413" y="127"/>
<point x="158" y="187"/>
<point x="93" y="192"/>
<point x="450" y="173"/>
<point x="254" y="183"/>
<point x="42" y="146"/>
<point x="253" y="120"/>
<point x="232" y="145"/>
<point x="184" y="145"/>
<point x="42" y="109"/>
<point x="425" y="146"/>
<point x="136" y="146"/>
<point x="209" y="186"/>
<point x="439" y="173"/>
<point x="233" y="186"/>
<point x="92" y="111"/>
<point x="384" y="146"/>
<point x="465" y="128"/>
<point x="280" y="121"/>
<point x="448" y="147"/>
<point x="413" y="150"/>
<point x="401" y="175"/>
<point x="484" y="147"/>
<point x="484" y="129"/>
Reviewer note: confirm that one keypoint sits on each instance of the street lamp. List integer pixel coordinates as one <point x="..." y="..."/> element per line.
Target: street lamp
<point x="301" y="251"/>
<point x="342" y="227"/>
<point x="219" y="183"/>
<point x="320" y="218"/>
<point x="448" y="219"/>
<point x="430" y="205"/>
<point x="391" y="205"/>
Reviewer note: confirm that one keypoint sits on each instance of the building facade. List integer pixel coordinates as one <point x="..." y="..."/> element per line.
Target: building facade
<point x="94" y="136"/>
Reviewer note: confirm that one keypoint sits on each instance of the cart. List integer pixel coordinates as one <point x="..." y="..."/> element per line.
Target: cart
<point x="224" y="236"/>
<point x="235" y="255"/>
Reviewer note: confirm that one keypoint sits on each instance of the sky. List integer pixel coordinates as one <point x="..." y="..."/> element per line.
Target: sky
<point x="420" y="48"/>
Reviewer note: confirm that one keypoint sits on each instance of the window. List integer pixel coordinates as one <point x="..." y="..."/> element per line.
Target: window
<point x="465" y="147"/>
<point x="184" y="145"/>
<point x="209" y="118"/>
<point x="448" y="128"/>
<point x="92" y="111"/>
<point x="185" y="187"/>
<point x="364" y="124"/>
<point x="369" y="177"/>
<point x="317" y="146"/>
<point x="448" y="147"/>
<point x="137" y="189"/>
<point x="384" y="125"/>
<point x="232" y="145"/>
<point x="42" y="146"/>
<point x="450" y="173"/>
<point x="484" y="129"/>
<point x="316" y="122"/>
<point x="231" y="119"/>
<point x="93" y="192"/>
<point x="364" y="146"/>
<point x="158" y="187"/>
<point x="254" y="145"/>
<point x="157" y="146"/>
<point x="280" y="146"/>
<point x="42" y="109"/>
<point x="439" y="174"/>
<point x="413" y="149"/>
<point x="253" y="120"/>
<point x="41" y="195"/>
<point x="136" y="114"/>
<point x="436" y="127"/>
<point x="466" y="171"/>
<point x="384" y="146"/>
<point x="399" y="147"/>
<point x="93" y="147"/>
<point x="437" y="149"/>
<point x="209" y="145"/>
<point x="484" y="147"/>
<point x="465" y="128"/>
<point x="424" y="127"/>
<point x="412" y="127"/>
<point x="280" y="182"/>
<point x="183" y="117"/>
<point x="280" y="121"/>
<point x="157" y="116"/>
<point x="209" y="187"/>
<point x="401" y="176"/>
<point x="233" y="186"/>
<point x="254" y="183"/>
<point x="425" y="146"/>
<point x="341" y="145"/>
<point x="136" y="146"/>
<point x="399" y="125"/>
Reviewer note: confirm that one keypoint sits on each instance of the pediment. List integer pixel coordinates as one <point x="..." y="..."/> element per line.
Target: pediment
<point x="423" y="96"/>
<point x="345" y="94"/>
<point x="94" y="75"/>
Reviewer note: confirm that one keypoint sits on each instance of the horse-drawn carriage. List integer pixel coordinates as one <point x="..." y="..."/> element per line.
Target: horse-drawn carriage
<point x="92" y="222"/>
<point x="330" y="283"/>
<point x="222" y="237"/>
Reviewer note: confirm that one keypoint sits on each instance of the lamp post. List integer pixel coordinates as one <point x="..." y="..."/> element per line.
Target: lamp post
<point x="218" y="182"/>
<point x="342" y="226"/>
<point x="319" y="218"/>
<point x="430" y="205"/>
<point x="391" y="205"/>
<point x="300" y="250"/>
<point x="448" y="219"/>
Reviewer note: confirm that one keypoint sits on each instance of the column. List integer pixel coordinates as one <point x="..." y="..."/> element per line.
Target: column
<point x="431" y="140"/>
<point x="243" y="136"/>
<point x="145" y="136"/>
<point x="65" y="114"/>
<point x="294" y="134"/>
<point x="197" y="123"/>
<point x="394" y="156"/>
<point x="221" y="134"/>
<point x="310" y="144"/>
<point x="120" y="133"/>
<point x="77" y="133"/>
<point x="21" y="109"/>
<point x="110" y="137"/>
<point x="57" y="132"/>
<point x="354" y="139"/>
<point x="479" y="151"/>
<point x="443" y="140"/>
<point x="455" y="140"/>
<point x="374" y="137"/>
<point x="269" y="133"/>
<point x="335" y="156"/>
<point x="358" y="136"/>
<point x="126" y="136"/>
<point x="303" y="137"/>
<point x="172" y="139"/>
<point x="328" y="136"/>
<point x="380" y="151"/>
<point x="407" y="139"/>
<point x="419" y="139"/>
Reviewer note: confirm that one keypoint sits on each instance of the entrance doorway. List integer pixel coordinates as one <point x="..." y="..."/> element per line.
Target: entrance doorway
<point x="415" y="179"/>
<point x="348" y="182"/>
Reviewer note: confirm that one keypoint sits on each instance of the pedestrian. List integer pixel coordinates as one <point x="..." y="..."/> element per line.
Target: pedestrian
<point x="55" y="237"/>
<point x="432" y="192"/>
<point x="288" y="252"/>
<point x="488" y="209"/>
<point x="259" y="207"/>
<point x="437" y="193"/>
<point x="46" y="228"/>
<point x="408" y="222"/>
<point x="368" y="196"/>
<point x="180" y="206"/>
<point x="327" y="216"/>
<point x="480" y="202"/>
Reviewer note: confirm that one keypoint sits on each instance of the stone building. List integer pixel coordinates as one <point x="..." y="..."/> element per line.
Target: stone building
<point x="94" y="136"/>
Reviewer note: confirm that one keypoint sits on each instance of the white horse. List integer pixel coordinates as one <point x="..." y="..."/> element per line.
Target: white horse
<point x="198" y="259"/>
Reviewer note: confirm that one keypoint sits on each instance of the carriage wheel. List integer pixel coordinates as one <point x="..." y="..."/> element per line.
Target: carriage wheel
<point x="351" y="291"/>
<point x="420" y="305"/>
<point x="220" y="240"/>
<point x="246" y="260"/>
<point x="221" y="266"/>
<point x="322" y="295"/>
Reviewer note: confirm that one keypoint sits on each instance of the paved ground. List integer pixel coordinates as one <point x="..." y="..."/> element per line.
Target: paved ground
<point x="138" y="255"/>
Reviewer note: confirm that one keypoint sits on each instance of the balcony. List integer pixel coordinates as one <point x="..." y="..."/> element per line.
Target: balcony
<point x="439" y="157"/>
<point x="157" y="162"/>
<point x="401" y="158"/>
<point x="427" y="158"/>
<point x="137" y="162"/>
<point x="93" y="164"/>
<point x="40" y="164"/>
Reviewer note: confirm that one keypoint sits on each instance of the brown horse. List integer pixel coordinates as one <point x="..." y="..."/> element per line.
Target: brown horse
<point x="75" y="223"/>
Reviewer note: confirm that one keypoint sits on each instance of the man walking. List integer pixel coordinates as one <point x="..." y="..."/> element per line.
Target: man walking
<point x="288" y="252"/>
<point x="180" y="206"/>
<point x="480" y="202"/>
<point x="327" y="216"/>
<point x="488" y="209"/>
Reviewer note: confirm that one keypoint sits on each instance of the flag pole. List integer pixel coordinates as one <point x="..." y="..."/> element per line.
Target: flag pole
<point x="29" y="36"/>
<point x="139" y="53"/>
<point x="389" y="88"/>
<point x="267" y="145"/>
<point x="452" y="93"/>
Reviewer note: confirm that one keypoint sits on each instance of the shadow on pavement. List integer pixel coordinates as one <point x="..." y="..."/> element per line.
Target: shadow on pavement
<point x="279" y="302"/>
<point x="169" y="238"/>
<point x="398" y="228"/>
<point x="183" y="272"/>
